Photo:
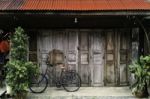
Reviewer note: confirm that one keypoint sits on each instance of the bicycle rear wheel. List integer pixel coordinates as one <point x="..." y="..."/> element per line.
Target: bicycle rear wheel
<point x="71" y="81"/>
<point x="38" y="84"/>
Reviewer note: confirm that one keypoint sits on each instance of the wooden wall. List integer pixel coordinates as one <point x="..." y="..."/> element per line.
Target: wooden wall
<point x="100" y="56"/>
<point x="146" y="50"/>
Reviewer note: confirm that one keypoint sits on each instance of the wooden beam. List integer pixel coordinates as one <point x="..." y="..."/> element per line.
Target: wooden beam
<point x="76" y="13"/>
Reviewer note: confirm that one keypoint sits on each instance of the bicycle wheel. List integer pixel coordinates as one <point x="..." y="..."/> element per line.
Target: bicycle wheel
<point x="38" y="84"/>
<point x="71" y="81"/>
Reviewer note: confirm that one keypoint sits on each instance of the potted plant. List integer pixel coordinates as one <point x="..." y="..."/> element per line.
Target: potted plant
<point x="140" y="69"/>
<point x="18" y="68"/>
<point x="18" y="76"/>
<point x="146" y="60"/>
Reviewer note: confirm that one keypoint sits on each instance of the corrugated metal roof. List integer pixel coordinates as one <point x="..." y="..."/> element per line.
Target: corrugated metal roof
<point x="74" y="5"/>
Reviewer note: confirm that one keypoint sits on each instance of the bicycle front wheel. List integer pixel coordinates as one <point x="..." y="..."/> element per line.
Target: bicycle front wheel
<point x="38" y="84"/>
<point x="71" y="81"/>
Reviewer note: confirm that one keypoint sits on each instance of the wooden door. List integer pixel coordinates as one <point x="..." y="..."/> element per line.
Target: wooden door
<point x="123" y="55"/>
<point x="100" y="56"/>
<point x="71" y="49"/>
<point x="44" y="45"/>
<point x="64" y="40"/>
<point x="117" y="57"/>
<point x="97" y="47"/>
<point x="84" y="70"/>
<point x="91" y="57"/>
<point x="110" y="69"/>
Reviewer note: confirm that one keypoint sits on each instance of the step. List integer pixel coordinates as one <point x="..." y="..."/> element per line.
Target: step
<point x="84" y="97"/>
<point x="85" y="93"/>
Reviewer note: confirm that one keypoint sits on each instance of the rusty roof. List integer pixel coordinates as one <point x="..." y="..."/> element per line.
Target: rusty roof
<point x="75" y="5"/>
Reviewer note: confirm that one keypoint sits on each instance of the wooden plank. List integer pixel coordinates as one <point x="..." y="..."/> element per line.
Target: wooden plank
<point x="110" y="80"/>
<point x="72" y="52"/>
<point x="110" y="58"/>
<point x="147" y="13"/>
<point x="117" y="59"/>
<point x="124" y="39"/>
<point x="97" y="52"/>
<point x="84" y="57"/>
<point x="134" y="51"/>
<point x="135" y="43"/>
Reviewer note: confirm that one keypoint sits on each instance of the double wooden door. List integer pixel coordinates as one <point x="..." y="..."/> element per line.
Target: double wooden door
<point x="99" y="56"/>
<point x="91" y="57"/>
<point x="117" y="55"/>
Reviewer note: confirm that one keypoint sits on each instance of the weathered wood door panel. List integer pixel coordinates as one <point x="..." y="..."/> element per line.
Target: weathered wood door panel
<point x="71" y="49"/>
<point x="44" y="45"/>
<point x="117" y="55"/>
<point x="66" y="41"/>
<point x="110" y="58"/>
<point x="84" y="57"/>
<point x="123" y="54"/>
<point x="97" y="46"/>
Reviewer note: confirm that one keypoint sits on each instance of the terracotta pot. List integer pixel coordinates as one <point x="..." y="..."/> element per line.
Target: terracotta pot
<point x="21" y="95"/>
<point x="141" y="94"/>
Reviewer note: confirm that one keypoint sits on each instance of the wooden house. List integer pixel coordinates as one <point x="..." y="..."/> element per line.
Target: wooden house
<point x="98" y="37"/>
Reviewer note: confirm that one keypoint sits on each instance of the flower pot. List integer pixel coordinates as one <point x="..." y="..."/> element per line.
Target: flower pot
<point x="141" y="94"/>
<point x="21" y="95"/>
<point x="8" y="89"/>
<point x="148" y="89"/>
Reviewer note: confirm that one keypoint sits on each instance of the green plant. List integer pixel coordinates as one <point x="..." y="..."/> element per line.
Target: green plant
<point x="146" y="62"/>
<point x="141" y="71"/>
<point x="18" y="74"/>
<point x="18" y="68"/>
<point x="19" y="45"/>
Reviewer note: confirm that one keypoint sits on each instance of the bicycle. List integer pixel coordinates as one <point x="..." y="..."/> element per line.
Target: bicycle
<point x="68" y="79"/>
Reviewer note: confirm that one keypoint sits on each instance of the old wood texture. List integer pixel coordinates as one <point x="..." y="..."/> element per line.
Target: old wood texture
<point x="117" y="56"/>
<point x="84" y="57"/>
<point x="134" y="51"/>
<point x="123" y="55"/>
<point x="146" y="52"/>
<point x="97" y="51"/>
<point x="65" y="41"/>
<point x="100" y="56"/>
<point x="110" y="58"/>
<point x="135" y="44"/>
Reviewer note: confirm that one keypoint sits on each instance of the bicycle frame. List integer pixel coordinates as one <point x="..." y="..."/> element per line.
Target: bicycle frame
<point x="51" y="73"/>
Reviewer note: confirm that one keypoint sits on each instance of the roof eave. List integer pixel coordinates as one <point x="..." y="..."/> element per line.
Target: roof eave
<point x="70" y="12"/>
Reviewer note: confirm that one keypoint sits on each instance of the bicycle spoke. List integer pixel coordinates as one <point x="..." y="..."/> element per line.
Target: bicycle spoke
<point x="71" y="81"/>
<point x="39" y="84"/>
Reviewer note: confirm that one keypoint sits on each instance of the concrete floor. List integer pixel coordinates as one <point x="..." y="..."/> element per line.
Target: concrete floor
<point x="90" y="91"/>
<point x="2" y="90"/>
<point x="85" y="93"/>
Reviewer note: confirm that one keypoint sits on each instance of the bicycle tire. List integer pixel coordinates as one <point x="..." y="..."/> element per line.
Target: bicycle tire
<point x="38" y="85"/>
<point x="67" y="79"/>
